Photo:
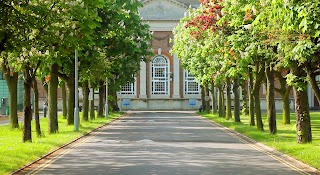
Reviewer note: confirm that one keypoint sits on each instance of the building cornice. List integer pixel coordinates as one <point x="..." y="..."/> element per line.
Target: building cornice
<point x="172" y="1"/>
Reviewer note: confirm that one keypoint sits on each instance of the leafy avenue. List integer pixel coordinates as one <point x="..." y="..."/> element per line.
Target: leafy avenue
<point x="39" y="38"/>
<point x="253" y="43"/>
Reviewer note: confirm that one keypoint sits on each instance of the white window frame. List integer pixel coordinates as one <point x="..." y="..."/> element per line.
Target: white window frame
<point x="188" y="78"/>
<point x="129" y="89"/>
<point x="160" y="62"/>
<point x="129" y="94"/>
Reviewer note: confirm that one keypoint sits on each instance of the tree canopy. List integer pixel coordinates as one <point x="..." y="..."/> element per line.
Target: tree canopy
<point x="39" y="38"/>
<point x="225" y="39"/>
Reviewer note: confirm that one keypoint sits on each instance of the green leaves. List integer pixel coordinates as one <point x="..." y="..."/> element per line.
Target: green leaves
<point x="104" y="32"/>
<point x="303" y="26"/>
<point x="299" y="82"/>
<point x="247" y="32"/>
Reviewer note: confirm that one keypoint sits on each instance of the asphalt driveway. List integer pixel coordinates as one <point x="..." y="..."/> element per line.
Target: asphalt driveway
<point x="164" y="143"/>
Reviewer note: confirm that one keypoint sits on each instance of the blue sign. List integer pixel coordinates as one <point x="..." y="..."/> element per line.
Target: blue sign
<point x="192" y="102"/>
<point x="126" y="102"/>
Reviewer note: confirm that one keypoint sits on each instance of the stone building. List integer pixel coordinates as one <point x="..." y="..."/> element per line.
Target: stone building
<point x="162" y="83"/>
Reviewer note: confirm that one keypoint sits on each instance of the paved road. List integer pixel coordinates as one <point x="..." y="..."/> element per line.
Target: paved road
<point x="163" y="143"/>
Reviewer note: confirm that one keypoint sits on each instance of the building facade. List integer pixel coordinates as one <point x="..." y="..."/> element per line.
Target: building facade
<point x="162" y="83"/>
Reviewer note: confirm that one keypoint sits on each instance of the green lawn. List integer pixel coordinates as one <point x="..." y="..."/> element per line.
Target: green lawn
<point x="14" y="154"/>
<point x="284" y="140"/>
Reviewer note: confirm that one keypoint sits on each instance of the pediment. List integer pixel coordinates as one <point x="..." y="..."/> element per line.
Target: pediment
<point x="162" y="10"/>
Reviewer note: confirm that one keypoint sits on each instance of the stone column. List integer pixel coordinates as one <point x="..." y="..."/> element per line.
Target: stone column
<point x="143" y="80"/>
<point x="176" y="77"/>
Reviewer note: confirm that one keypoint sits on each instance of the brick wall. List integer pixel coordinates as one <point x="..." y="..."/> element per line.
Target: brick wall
<point x="160" y="40"/>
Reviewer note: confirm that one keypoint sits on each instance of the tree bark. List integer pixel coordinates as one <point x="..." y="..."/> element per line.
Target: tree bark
<point x="286" y="108"/>
<point x="53" y="99"/>
<point x="203" y="94"/>
<point x="85" y="101"/>
<point x="36" y="106"/>
<point x="64" y="99"/>
<point x="245" y="109"/>
<point x="251" y="99"/>
<point x="213" y="98"/>
<point x="207" y="102"/>
<point x="92" y="111"/>
<point x="102" y="93"/>
<point x="12" y="83"/>
<point x="256" y="89"/>
<point x="236" y="100"/>
<point x="71" y="99"/>
<point x="284" y="91"/>
<point x="221" y="107"/>
<point x="303" y="125"/>
<point x="271" y="108"/>
<point x="113" y="102"/>
<point x="228" y="102"/>
<point x="27" y="84"/>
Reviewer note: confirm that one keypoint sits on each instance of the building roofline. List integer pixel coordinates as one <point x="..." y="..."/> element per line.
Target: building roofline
<point x="173" y="1"/>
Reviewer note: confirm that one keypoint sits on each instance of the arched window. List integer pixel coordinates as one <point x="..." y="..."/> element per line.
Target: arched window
<point x="190" y="84"/>
<point x="159" y="75"/>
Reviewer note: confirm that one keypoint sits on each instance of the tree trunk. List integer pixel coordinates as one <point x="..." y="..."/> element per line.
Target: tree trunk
<point x="303" y="125"/>
<point x="284" y="91"/>
<point x="102" y="93"/>
<point x="92" y="111"/>
<point x="64" y="99"/>
<point x="27" y="84"/>
<point x="221" y="106"/>
<point x="53" y="99"/>
<point x="113" y="102"/>
<point x="251" y="99"/>
<point x="256" y="88"/>
<point x="213" y="98"/>
<point x="203" y="94"/>
<point x="245" y="109"/>
<point x="286" y="107"/>
<point x="258" y="111"/>
<point x="36" y="106"/>
<point x="236" y="100"/>
<point x="228" y="101"/>
<point x="207" y="101"/>
<point x="271" y="107"/>
<point x="12" y="83"/>
<point x="71" y="99"/>
<point x="85" y="101"/>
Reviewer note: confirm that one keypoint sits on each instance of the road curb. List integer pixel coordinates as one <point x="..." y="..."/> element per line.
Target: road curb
<point x="20" y="170"/>
<point x="305" y="168"/>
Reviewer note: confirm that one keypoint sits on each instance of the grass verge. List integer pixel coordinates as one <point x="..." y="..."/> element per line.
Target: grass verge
<point x="284" y="140"/>
<point x="15" y="154"/>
